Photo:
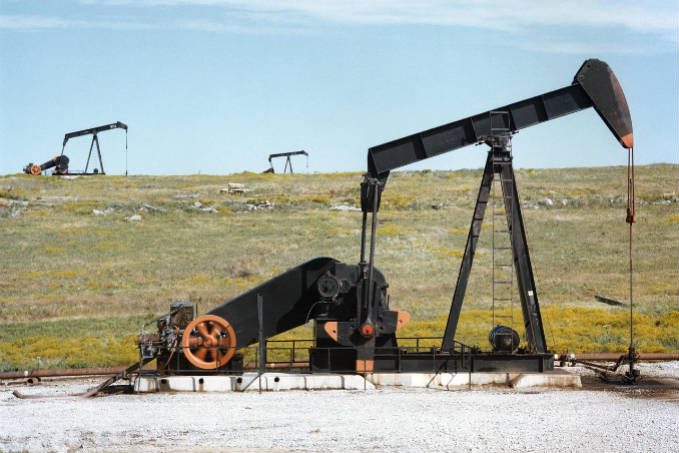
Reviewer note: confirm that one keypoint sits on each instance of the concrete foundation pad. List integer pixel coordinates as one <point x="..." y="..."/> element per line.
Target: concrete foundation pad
<point x="555" y="379"/>
<point x="284" y="381"/>
<point x="152" y="384"/>
<point x="460" y="380"/>
<point x="249" y="382"/>
<point x="288" y="381"/>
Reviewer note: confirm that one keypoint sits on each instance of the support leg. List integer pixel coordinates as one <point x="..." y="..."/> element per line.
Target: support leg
<point x="101" y="163"/>
<point x="89" y="155"/>
<point x="524" y="270"/>
<point x="468" y="258"/>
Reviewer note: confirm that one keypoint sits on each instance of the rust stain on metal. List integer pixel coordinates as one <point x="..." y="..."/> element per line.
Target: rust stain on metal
<point x="403" y="318"/>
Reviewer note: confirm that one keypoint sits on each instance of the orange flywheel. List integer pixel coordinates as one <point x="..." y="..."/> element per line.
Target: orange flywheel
<point x="209" y="342"/>
<point x="36" y="170"/>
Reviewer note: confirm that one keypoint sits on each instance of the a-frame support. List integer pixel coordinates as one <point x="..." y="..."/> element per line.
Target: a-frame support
<point x="499" y="162"/>
<point x="288" y="163"/>
<point x="95" y="140"/>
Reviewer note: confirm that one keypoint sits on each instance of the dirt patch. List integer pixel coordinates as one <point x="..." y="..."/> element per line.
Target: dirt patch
<point x="658" y="388"/>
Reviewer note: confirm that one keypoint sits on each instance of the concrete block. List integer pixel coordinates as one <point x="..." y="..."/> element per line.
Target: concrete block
<point x="354" y="382"/>
<point x="546" y="380"/>
<point x="214" y="383"/>
<point x="400" y="379"/>
<point x="145" y="385"/>
<point x="280" y="381"/>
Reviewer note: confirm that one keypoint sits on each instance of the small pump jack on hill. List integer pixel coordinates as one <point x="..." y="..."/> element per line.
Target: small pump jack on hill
<point x="288" y="161"/>
<point x="60" y="162"/>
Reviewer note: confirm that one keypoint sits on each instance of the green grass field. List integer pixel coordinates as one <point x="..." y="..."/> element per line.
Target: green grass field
<point x="76" y="284"/>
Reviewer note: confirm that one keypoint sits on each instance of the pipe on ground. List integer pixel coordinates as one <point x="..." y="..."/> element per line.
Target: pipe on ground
<point x="65" y="372"/>
<point x="614" y="356"/>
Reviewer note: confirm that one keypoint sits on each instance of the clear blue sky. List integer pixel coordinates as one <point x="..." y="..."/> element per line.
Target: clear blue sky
<point x="214" y="86"/>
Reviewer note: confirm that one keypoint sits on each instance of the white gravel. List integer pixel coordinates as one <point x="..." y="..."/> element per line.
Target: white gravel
<point x="395" y="420"/>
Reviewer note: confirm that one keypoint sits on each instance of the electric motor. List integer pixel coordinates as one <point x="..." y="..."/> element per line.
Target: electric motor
<point x="504" y="339"/>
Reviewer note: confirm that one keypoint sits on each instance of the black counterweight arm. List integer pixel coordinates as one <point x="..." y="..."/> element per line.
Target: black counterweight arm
<point x="94" y="130"/>
<point x="292" y="153"/>
<point x="594" y="85"/>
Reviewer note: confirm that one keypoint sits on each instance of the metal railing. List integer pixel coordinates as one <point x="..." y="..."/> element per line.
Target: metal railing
<point x="294" y="356"/>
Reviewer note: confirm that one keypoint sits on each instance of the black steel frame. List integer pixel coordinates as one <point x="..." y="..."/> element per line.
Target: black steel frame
<point x="499" y="161"/>
<point x="594" y="85"/>
<point x="424" y="358"/>
<point x="288" y="161"/>
<point x="94" y="131"/>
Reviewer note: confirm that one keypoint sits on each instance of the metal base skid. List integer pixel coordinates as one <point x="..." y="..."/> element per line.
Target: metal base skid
<point x="329" y="360"/>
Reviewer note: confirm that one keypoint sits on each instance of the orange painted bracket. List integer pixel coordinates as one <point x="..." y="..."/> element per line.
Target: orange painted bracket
<point x="365" y="366"/>
<point x="402" y="319"/>
<point x="330" y="328"/>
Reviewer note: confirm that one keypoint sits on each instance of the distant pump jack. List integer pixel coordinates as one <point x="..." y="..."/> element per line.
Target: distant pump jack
<point x="288" y="162"/>
<point x="61" y="161"/>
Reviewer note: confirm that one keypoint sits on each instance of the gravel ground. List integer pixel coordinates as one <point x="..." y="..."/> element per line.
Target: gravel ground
<point x="594" y="419"/>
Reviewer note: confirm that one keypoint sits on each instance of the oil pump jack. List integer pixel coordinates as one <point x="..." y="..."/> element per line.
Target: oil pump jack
<point x="354" y="328"/>
<point x="288" y="160"/>
<point x="60" y="162"/>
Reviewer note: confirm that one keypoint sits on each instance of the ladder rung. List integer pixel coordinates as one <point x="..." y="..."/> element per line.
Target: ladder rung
<point x="501" y="231"/>
<point x="505" y="299"/>
<point x="502" y="282"/>
<point x="502" y="248"/>
<point x="503" y="316"/>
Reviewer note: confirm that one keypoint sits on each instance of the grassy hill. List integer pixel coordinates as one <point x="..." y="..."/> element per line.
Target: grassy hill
<point x="80" y="274"/>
